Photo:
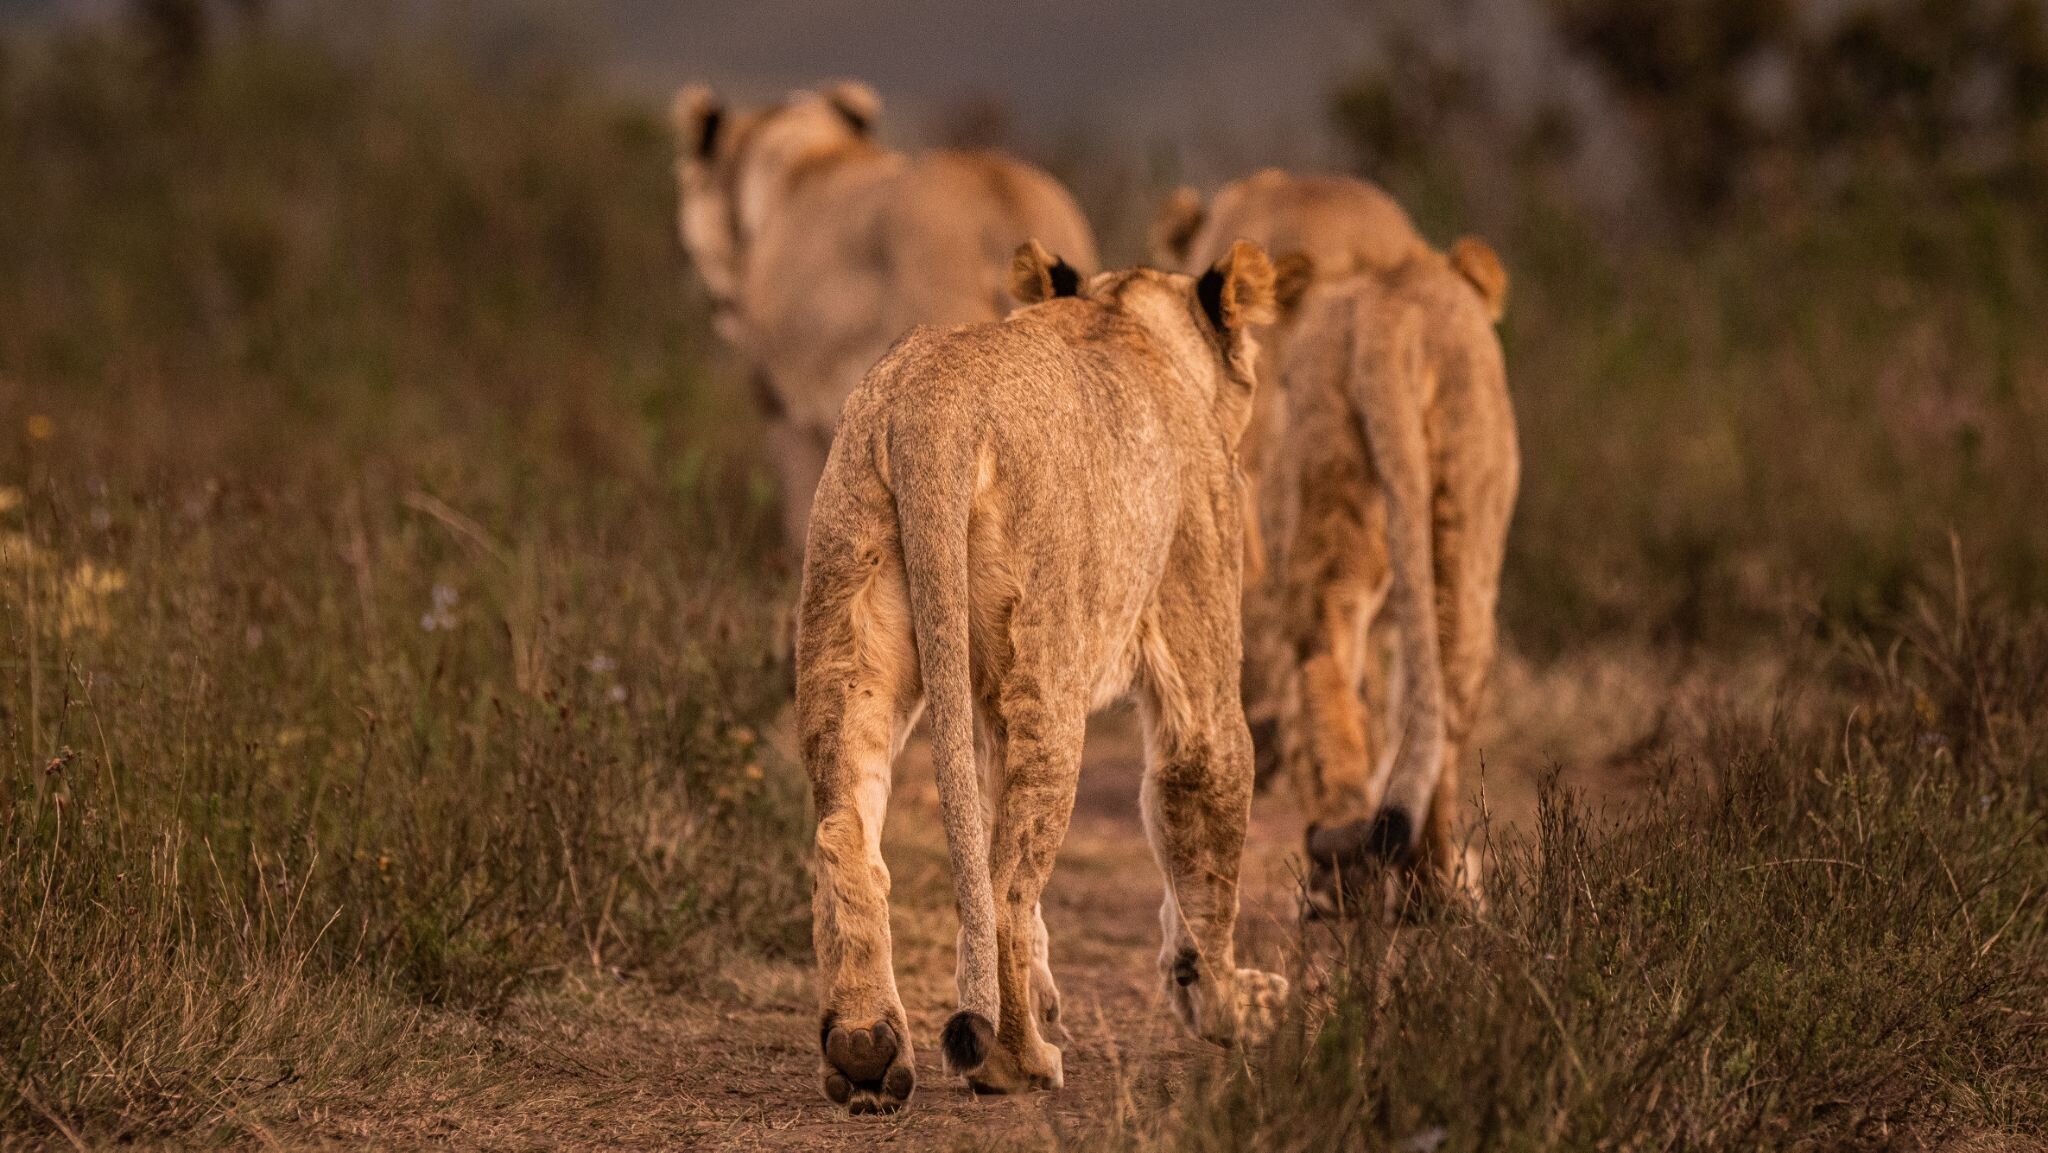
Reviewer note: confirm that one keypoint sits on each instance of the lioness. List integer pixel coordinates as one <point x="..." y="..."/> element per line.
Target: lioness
<point x="1334" y="224"/>
<point x="1018" y="523"/>
<point x="819" y="247"/>
<point x="1391" y="468"/>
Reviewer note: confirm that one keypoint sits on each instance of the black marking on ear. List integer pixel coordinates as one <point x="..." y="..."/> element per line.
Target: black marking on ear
<point x="1209" y="290"/>
<point x="707" y="131"/>
<point x="1065" y="280"/>
<point x="855" y="119"/>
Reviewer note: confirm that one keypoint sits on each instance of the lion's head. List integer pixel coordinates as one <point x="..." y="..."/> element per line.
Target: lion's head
<point x="734" y="164"/>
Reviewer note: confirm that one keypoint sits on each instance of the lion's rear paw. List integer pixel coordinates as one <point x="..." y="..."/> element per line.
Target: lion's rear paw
<point x="867" y="1069"/>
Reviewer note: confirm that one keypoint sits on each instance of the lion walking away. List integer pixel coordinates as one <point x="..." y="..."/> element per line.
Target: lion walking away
<point x="1387" y="467"/>
<point x="819" y="247"/>
<point x="1020" y="522"/>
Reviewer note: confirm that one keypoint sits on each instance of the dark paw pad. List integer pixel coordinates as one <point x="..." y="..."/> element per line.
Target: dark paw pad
<point x="868" y="1070"/>
<point x="863" y="1055"/>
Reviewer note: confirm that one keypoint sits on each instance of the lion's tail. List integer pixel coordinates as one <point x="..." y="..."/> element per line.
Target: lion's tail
<point x="934" y="489"/>
<point x="1386" y="382"/>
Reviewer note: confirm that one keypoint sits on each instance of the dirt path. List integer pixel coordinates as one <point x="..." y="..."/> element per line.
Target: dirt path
<point x="602" y="1064"/>
<point x="1103" y="911"/>
<point x="597" y="1065"/>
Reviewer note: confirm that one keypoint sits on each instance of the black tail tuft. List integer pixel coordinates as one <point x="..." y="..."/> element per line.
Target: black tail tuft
<point x="1393" y="833"/>
<point x="967" y="1041"/>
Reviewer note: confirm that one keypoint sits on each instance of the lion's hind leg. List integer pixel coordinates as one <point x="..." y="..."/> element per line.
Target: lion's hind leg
<point x="857" y="695"/>
<point x="1042" y="729"/>
<point x="1470" y="525"/>
<point x="1341" y="794"/>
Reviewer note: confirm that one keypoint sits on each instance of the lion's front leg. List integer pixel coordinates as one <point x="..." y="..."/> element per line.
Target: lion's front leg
<point x="1197" y="801"/>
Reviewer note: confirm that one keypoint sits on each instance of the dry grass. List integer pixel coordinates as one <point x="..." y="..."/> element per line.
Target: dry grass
<point x="379" y="637"/>
<point x="1824" y="928"/>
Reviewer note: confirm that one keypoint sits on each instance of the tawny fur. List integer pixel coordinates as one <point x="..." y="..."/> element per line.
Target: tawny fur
<point x="1323" y="226"/>
<point x="1387" y="466"/>
<point x="1038" y="515"/>
<point x="820" y="247"/>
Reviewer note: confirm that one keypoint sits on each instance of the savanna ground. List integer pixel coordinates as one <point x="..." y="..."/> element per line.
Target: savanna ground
<point x="393" y="700"/>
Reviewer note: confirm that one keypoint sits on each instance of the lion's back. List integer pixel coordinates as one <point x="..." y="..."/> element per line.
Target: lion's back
<point x="870" y="254"/>
<point x="1342" y="223"/>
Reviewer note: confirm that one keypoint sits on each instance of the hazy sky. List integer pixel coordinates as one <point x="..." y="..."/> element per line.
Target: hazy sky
<point x="1146" y="65"/>
<point x="1177" y="69"/>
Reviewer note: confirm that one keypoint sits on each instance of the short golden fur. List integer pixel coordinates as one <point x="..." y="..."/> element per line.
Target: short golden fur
<point x="1019" y="522"/>
<point x="820" y="247"/>
<point x="1388" y="466"/>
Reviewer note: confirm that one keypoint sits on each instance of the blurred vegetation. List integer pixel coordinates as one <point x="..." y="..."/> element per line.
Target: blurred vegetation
<point x="383" y="618"/>
<point x="1763" y="388"/>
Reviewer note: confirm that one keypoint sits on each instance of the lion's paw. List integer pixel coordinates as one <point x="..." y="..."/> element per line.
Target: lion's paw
<point x="868" y="1070"/>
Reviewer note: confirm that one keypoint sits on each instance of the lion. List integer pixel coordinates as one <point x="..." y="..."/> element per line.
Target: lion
<point x="819" y="247"/>
<point x="1019" y="522"/>
<point x="1390" y="470"/>
<point x="1335" y="224"/>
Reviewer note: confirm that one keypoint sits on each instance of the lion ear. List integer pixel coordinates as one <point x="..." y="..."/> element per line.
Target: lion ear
<point x="698" y="115"/>
<point x="1237" y="291"/>
<point x="1174" y="228"/>
<point x="859" y="104"/>
<point x="1293" y="272"/>
<point x="1480" y="265"/>
<point x="1037" y="275"/>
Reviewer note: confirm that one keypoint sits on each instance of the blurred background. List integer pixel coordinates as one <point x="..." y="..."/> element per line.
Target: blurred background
<point x="1776" y="261"/>
<point x="368" y="467"/>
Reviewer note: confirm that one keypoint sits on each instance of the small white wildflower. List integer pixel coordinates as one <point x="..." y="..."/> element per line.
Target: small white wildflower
<point x="602" y="664"/>
<point x="616" y="694"/>
<point x="440" y="617"/>
<point x="101" y="519"/>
